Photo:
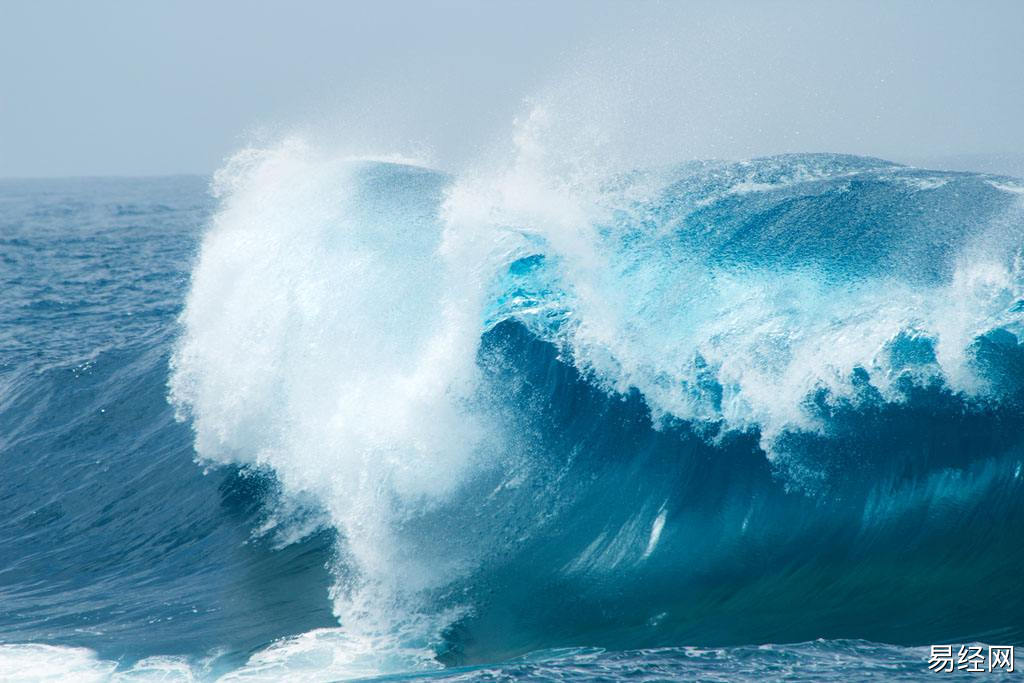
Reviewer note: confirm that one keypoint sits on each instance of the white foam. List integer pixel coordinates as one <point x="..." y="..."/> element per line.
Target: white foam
<point x="657" y="526"/>
<point x="318" y="655"/>
<point x="337" y="347"/>
<point x="638" y="317"/>
<point x="1012" y="188"/>
<point x="38" y="662"/>
<point x="330" y="655"/>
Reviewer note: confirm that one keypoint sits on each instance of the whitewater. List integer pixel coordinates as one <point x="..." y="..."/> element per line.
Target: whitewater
<point x="334" y="417"/>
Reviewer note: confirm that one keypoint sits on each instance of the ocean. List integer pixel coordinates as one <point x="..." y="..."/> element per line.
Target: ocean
<point x="326" y="418"/>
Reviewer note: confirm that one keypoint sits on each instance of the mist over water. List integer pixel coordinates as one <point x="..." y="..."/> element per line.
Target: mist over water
<point x="668" y="82"/>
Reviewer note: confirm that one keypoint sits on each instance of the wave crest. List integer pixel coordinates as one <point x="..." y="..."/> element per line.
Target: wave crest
<point x="501" y="385"/>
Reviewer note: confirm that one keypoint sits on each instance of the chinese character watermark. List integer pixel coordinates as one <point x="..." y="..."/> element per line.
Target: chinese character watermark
<point x="941" y="660"/>
<point x="971" y="658"/>
<point x="1000" y="657"/>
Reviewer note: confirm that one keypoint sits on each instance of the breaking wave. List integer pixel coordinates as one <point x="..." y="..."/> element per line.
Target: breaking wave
<point x="546" y="404"/>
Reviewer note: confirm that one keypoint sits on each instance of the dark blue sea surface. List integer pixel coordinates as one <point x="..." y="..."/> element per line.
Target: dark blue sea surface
<point x="111" y="537"/>
<point x="325" y="419"/>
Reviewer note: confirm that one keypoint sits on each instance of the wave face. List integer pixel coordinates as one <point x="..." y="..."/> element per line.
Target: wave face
<point x="712" y="404"/>
<point x="548" y="408"/>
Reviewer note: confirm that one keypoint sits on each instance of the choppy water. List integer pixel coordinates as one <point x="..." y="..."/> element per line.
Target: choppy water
<point x="356" y="419"/>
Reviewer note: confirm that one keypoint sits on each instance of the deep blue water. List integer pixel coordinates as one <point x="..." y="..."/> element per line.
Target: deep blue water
<point x="112" y="537"/>
<point x="335" y="419"/>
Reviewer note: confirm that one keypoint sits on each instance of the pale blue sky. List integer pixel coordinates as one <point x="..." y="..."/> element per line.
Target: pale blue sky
<point x="146" y="87"/>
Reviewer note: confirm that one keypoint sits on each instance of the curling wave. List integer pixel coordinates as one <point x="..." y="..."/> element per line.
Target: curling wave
<point x="546" y="405"/>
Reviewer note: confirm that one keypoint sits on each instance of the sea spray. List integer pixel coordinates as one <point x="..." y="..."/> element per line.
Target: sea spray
<point x="404" y="347"/>
<point x="326" y="337"/>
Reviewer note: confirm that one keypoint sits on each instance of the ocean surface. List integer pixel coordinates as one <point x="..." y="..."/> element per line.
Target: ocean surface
<point x="324" y="418"/>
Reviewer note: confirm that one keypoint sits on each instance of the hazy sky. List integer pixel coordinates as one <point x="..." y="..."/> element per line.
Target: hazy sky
<point x="147" y="87"/>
